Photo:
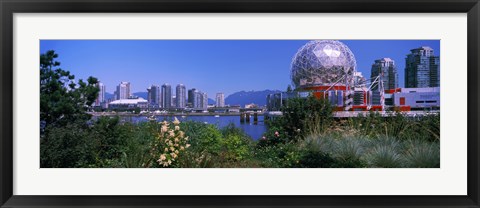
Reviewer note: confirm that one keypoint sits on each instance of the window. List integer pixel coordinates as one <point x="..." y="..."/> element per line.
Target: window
<point x="402" y="100"/>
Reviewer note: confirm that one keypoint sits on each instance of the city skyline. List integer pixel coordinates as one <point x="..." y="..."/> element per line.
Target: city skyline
<point x="209" y="65"/>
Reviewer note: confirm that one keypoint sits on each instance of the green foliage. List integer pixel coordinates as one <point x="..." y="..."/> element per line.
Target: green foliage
<point x="397" y="124"/>
<point x="345" y="151"/>
<point x="63" y="101"/>
<point x="194" y="159"/>
<point x="315" y="159"/>
<point x="282" y="155"/>
<point x="134" y="153"/>
<point x="302" y="116"/>
<point x="203" y="137"/>
<point x="423" y="154"/>
<point x="107" y="143"/>
<point x="236" y="144"/>
<point x="110" y="143"/>
<point x="274" y="135"/>
<point x="68" y="146"/>
<point x="213" y="147"/>
<point x="348" y="152"/>
<point x="289" y="88"/>
<point x="110" y="137"/>
<point x="357" y="151"/>
<point x="384" y="156"/>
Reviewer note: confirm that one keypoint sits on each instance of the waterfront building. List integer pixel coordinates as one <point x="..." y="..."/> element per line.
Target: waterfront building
<point x="166" y="96"/>
<point x="251" y="105"/>
<point x="181" y="96"/>
<point x="191" y="97"/>
<point x="200" y="101"/>
<point x="422" y="68"/>
<point x="407" y="99"/>
<point x="326" y="69"/>
<point x="101" y="94"/>
<point x="149" y="95"/>
<point x="385" y="67"/>
<point x="204" y="101"/>
<point x="128" y="104"/>
<point x="220" y="100"/>
<point x="197" y="99"/>
<point x="154" y="95"/>
<point x="123" y="91"/>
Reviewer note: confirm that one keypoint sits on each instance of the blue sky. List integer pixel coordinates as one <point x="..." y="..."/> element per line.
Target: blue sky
<point x="209" y="65"/>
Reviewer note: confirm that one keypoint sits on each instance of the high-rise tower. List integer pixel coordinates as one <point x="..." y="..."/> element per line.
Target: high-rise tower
<point x="123" y="91"/>
<point x="181" y="96"/>
<point x="166" y="96"/>
<point x="101" y="94"/>
<point x="191" y="98"/>
<point x="220" y="100"/>
<point x="422" y="68"/>
<point x="154" y="95"/>
<point x="386" y="68"/>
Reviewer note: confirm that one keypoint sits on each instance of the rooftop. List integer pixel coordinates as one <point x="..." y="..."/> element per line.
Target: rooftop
<point x="128" y="101"/>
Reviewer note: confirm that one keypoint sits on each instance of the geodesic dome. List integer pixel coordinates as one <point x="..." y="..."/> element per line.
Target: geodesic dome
<point x="323" y="62"/>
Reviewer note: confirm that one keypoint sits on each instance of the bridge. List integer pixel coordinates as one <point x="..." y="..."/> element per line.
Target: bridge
<point x="235" y="109"/>
<point x="351" y="114"/>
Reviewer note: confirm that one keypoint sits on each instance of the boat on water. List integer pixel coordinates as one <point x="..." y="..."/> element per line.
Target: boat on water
<point x="216" y="116"/>
<point x="151" y="118"/>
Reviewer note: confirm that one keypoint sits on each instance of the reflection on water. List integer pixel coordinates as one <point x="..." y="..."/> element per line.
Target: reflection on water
<point x="253" y="130"/>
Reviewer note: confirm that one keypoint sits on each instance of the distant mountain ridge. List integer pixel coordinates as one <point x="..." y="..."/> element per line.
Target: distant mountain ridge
<point x="109" y="96"/>
<point x="247" y="97"/>
<point x="241" y="98"/>
<point x="143" y="95"/>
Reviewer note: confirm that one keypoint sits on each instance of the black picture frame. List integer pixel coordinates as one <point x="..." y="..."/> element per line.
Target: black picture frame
<point x="9" y="7"/>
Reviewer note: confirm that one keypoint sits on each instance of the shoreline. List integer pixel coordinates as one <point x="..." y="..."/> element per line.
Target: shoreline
<point x="164" y="114"/>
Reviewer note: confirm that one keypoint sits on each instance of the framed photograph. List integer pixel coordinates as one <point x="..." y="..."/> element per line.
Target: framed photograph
<point x="247" y="104"/>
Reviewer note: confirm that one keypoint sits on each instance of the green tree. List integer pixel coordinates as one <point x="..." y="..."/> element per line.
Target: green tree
<point x="62" y="100"/>
<point x="66" y="139"/>
<point x="289" y="88"/>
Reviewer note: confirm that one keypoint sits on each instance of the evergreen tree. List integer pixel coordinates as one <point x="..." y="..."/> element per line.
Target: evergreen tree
<point x="62" y="100"/>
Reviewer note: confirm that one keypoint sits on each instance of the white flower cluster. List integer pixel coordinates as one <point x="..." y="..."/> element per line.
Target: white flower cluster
<point x="171" y="142"/>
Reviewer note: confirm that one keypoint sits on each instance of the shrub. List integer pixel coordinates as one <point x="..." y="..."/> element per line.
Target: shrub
<point x="203" y="137"/>
<point x="274" y="135"/>
<point x="193" y="159"/>
<point x="236" y="147"/>
<point x="282" y="155"/>
<point x="303" y="116"/>
<point x="315" y="159"/>
<point x="345" y="151"/>
<point x="69" y="146"/>
<point x="348" y="152"/>
<point x="422" y="154"/>
<point x="348" y="149"/>
<point x="110" y="138"/>
<point x="236" y="144"/>
<point x="384" y="156"/>
<point x="136" y="150"/>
